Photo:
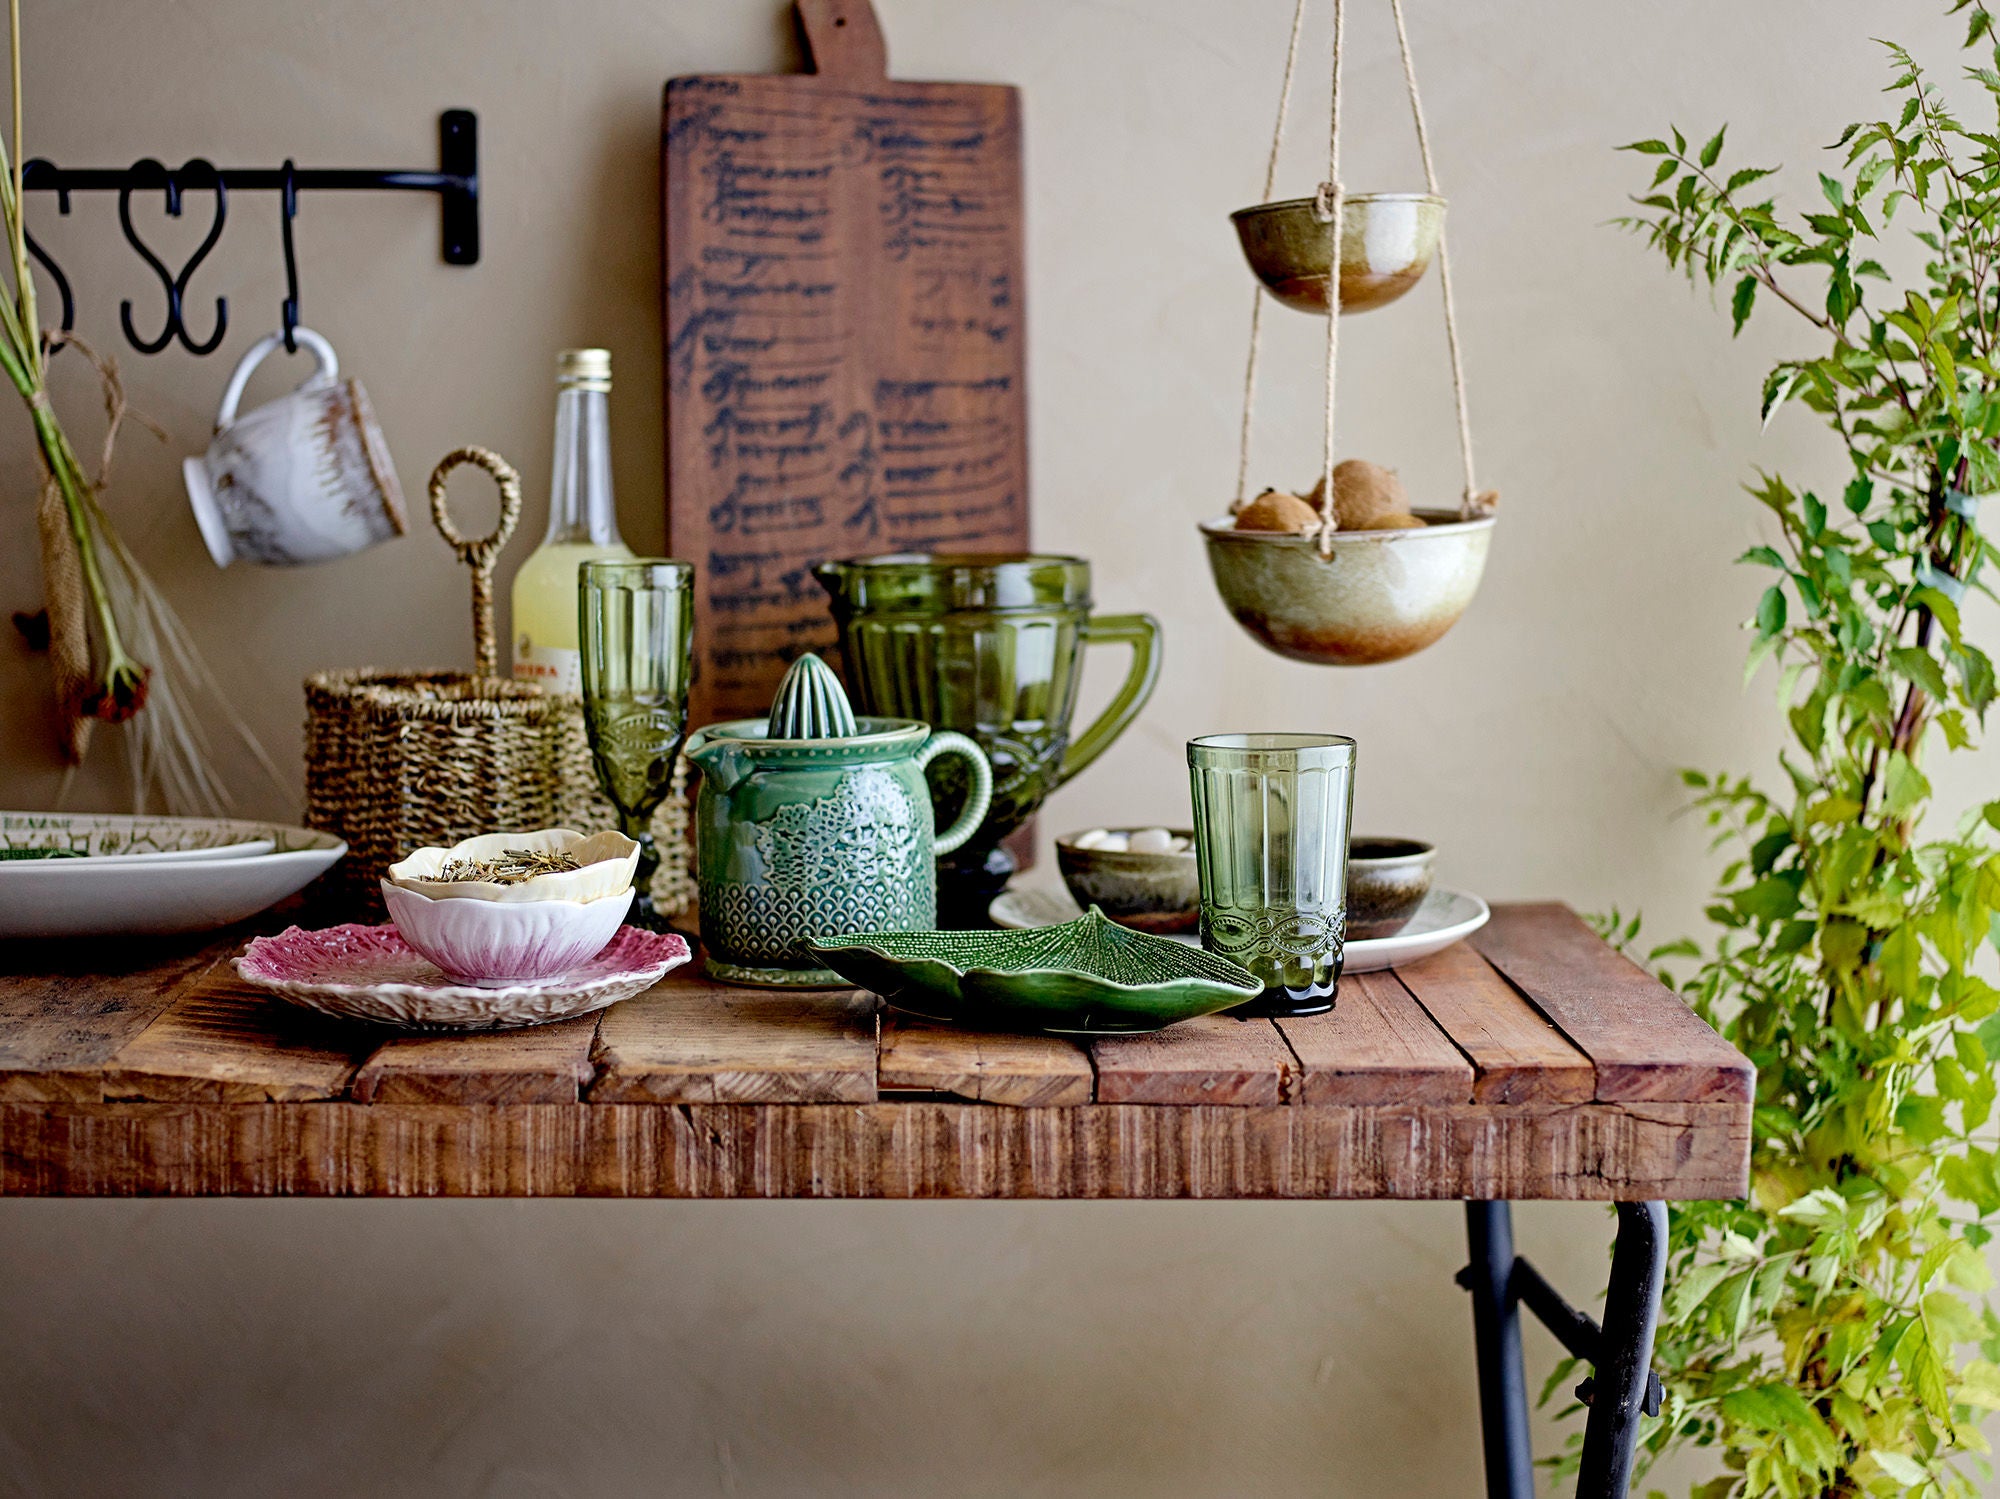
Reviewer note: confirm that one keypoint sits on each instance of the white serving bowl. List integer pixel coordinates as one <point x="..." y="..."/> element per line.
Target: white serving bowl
<point x="608" y="861"/>
<point x="195" y="883"/>
<point x="490" y="943"/>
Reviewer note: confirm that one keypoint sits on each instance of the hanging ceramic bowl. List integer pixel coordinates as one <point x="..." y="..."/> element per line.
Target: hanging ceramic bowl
<point x="1381" y="596"/>
<point x="1386" y="243"/>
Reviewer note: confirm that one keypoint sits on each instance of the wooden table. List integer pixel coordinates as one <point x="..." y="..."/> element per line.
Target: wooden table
<point x="1531" y="1062"/>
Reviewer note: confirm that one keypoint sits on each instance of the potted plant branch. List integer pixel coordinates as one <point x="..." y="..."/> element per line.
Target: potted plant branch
<point x="1832" y="1335"/>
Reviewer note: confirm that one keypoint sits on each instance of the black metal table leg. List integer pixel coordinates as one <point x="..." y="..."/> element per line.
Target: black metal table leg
<point x="1496" y="1336"/>
<point x="1622" y="1387"/>
<point x="1619" y="1392"/>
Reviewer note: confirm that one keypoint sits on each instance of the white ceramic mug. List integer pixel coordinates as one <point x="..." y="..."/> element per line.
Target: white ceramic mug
<point x="304" y="478"/>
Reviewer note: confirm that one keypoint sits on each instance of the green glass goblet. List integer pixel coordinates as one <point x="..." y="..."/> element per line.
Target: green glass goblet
<point x="636" y="631"/>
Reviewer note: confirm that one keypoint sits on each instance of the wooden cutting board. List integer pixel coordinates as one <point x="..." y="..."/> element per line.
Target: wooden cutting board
<point x="844" y="337"/>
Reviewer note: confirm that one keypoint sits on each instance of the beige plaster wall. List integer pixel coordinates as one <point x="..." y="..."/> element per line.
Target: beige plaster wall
<point x="795" y="1349"/>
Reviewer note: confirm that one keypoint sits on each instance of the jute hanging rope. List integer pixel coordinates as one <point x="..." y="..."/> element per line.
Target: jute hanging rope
<point x="1257" y="291"/>
<point x="1472" y="503"/>
<point x="1329" y="203"/>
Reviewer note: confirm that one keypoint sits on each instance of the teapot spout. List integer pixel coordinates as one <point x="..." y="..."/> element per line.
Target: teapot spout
<point x="722" y="761"/>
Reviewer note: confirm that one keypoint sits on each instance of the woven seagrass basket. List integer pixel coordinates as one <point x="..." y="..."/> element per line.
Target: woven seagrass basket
<point x="397" y="760"/>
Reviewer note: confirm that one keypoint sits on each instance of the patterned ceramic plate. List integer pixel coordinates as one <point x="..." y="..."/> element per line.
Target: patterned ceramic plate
<point x="1446" y="916"/>
<point x="102" y="837"/>
<point x="369" y="973"/>
<point x="65" y="858"/>
<point x="1089" y="977"/>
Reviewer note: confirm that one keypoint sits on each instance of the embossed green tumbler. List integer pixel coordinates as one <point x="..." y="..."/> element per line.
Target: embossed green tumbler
<point x="636" y="633"/>
<point x="1271" y="815"/>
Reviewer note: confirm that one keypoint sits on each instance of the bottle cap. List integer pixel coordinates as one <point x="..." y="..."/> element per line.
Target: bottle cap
<point x="584" y="369"/>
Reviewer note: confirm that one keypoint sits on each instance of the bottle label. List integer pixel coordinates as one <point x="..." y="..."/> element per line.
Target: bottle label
<point x="556" y="669"/>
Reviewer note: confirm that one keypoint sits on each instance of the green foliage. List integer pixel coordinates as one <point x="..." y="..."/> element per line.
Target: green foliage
<point x="1832" y="1335"/>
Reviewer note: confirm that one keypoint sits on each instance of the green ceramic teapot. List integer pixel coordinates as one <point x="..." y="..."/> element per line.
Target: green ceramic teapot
<point x="816" y="824"/>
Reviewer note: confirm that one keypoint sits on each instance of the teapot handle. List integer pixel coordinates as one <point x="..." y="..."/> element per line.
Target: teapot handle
<point x="945" y="742"/>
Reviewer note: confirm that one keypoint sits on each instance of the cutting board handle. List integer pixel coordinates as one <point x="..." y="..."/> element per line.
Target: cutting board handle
<point x="844" y="38"/>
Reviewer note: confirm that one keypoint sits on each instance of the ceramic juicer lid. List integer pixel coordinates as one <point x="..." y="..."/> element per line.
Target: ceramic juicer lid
<point x="811" y="704"/>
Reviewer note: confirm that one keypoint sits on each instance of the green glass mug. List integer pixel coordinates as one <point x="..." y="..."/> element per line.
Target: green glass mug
<point x="991" y="646"/>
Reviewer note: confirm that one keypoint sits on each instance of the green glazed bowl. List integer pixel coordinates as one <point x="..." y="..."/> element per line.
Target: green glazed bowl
<point x="1091" y="977"/>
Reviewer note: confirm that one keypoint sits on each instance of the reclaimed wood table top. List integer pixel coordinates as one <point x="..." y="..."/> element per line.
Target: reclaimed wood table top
<point x="1532" y="1061"/>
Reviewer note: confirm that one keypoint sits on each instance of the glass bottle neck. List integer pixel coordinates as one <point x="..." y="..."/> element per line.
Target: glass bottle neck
<point x="581" y="508"/>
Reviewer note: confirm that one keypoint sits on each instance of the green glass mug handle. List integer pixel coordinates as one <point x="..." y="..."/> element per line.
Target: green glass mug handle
<point x="1142" y="633"/>
<point x="973" y="813"/>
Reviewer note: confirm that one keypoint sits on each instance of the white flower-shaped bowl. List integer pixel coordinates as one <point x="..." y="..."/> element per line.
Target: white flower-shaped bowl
<point x="608" y="860"/>
<point x="490" y="943"/>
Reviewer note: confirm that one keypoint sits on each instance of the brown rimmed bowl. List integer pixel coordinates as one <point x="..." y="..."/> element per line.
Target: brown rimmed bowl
<point x="1387" y="880"/>
<point x="1386" y="244"/>
<point x="1158" y="893"/>
<point x="1381" y="596"/>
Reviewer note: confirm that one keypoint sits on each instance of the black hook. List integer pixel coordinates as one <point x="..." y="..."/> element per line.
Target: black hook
<point x="174" y="286"/>
<point x="47" y="262"/>
<point x="200" y="165"/>
<point x="288" y="205"/>
<point x="159" y="269"/>
<point x="55" y="275"/>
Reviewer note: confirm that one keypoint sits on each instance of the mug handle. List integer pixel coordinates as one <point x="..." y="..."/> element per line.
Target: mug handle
<point x="328" y="368"/>
<point x="973" y="813"/>
<point x="1142" y="633"/>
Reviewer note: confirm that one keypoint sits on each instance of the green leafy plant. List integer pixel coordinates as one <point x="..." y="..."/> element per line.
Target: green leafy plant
<point x="1831" y="1335"/>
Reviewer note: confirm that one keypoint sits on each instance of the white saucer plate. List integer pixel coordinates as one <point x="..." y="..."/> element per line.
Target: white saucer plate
<point x="1446" y="916"/>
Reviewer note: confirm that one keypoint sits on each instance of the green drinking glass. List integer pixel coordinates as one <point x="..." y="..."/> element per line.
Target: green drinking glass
<point x="636" y="633"/>
<point x="1271" y="817"/>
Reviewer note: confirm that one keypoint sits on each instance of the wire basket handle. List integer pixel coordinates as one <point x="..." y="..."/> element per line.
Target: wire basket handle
<point x="479" y="554"/>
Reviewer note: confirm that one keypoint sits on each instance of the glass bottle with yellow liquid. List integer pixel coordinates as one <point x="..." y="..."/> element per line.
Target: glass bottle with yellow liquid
<point x="583" y="525"/>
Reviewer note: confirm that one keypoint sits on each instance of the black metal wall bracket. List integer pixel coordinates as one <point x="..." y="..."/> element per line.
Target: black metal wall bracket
<point x="456" y="182"/>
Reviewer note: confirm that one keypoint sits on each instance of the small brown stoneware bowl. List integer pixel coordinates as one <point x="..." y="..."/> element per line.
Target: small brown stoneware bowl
<point x="1387" y="879"/>
<point x="1157" y="893"/>
<point x="1386" y="243"/>
<point x="1381" y="596"/>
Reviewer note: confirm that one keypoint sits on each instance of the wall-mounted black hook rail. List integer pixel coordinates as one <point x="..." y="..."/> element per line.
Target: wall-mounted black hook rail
<point x="456" y="182"/>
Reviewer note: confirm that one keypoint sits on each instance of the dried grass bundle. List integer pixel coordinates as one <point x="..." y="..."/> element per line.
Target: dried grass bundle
<point x="106" y="619"/>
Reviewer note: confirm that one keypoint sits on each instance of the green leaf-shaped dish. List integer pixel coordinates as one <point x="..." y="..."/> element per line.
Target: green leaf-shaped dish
<point x="1091" y="977"/>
